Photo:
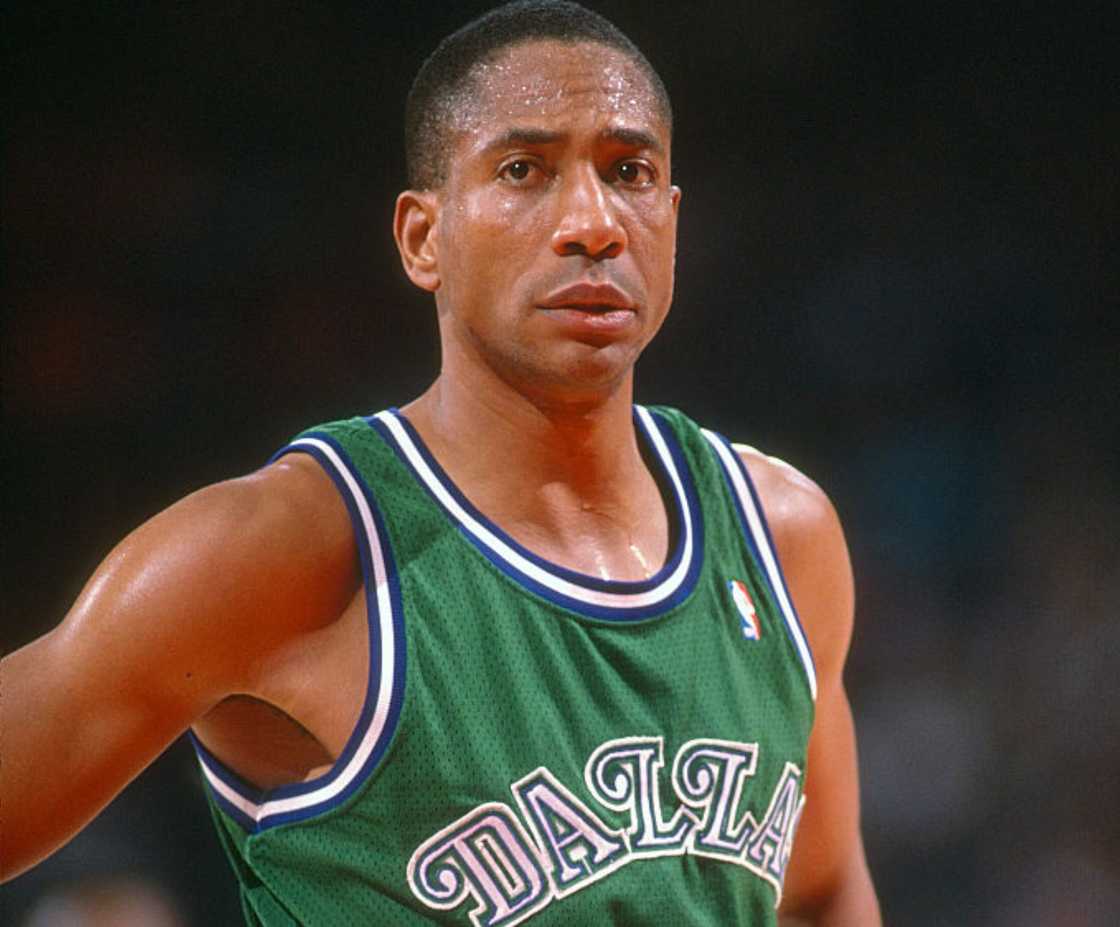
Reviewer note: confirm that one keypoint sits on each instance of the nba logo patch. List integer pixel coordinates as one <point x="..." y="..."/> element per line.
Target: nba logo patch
<point x="752" y="628"/>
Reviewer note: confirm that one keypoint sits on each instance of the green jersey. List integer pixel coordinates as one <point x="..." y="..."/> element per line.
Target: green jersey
<point x="538" y="745"/>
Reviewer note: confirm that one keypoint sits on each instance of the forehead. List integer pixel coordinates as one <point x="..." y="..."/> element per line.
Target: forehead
<point x="542" y="81"/>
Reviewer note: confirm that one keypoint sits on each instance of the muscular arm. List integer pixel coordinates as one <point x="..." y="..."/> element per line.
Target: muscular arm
<point x="827" y="882"/>
<point x="187" y="610"/>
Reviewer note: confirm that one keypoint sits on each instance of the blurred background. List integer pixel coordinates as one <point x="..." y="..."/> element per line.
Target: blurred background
<point x="897" y="269"/>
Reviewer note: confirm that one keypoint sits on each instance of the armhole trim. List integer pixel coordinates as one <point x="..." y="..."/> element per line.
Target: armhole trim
<point x="757" y="534"/>
<point x="257" y="810"/>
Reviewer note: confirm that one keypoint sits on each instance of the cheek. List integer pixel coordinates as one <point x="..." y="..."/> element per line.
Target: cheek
<point x="656" y="241"/>
<point x="485" y="244"/>
<point x="484" y="227"/>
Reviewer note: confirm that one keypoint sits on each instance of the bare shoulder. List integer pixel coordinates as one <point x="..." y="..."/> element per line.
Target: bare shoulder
<point x="813" y="552"/>
<point x="285" y="517"/>
<point x="188" y="609"/>
<point x="797" y="509"/>
<point x="210" y="585"/>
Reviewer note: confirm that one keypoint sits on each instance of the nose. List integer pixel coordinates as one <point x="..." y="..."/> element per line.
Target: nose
<point x="588" y="223"/>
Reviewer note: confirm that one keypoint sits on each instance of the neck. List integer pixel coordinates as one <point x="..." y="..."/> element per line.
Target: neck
<point x="565" y="479"/>
<point x="588" y="447"/>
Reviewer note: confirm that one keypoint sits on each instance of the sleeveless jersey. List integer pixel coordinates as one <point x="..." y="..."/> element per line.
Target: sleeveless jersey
<point x="538" y="745"/>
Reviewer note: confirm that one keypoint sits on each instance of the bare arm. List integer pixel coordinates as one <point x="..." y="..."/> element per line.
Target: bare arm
<point x="187" y="610"/>
<point x="827" y="882"/>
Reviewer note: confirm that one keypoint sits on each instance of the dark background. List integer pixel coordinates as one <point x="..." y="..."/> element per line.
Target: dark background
<point x="897" y="270"/>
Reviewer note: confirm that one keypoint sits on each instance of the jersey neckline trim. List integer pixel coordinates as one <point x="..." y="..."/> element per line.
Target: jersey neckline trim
<point x="612" y="600"/>
<point x="255" y="809"/>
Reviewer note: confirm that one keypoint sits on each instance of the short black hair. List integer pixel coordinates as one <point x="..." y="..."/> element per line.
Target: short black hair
<point x="437" y="90"/>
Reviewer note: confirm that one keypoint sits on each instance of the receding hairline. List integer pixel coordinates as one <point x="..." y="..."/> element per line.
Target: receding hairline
<point x="471" y="95"/>
<point x="453" y="97"/>
<point x="653" y="86"/>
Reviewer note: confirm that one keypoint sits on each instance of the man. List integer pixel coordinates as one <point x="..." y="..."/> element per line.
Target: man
<point x="519" y="650"/>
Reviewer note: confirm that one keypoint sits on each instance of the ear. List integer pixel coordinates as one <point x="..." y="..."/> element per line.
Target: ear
<point x="414" y="222"/>
<point x="675" y="197"/>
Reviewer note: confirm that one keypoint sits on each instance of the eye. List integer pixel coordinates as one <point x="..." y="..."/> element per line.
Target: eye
<point x="634" y="173"/>
<point x="518" y="171"/>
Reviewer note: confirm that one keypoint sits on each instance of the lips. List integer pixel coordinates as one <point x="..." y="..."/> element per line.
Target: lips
<point x="589" y="297"/>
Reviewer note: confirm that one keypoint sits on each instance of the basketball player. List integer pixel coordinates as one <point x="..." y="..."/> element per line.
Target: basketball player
<point x="519" y="650"/>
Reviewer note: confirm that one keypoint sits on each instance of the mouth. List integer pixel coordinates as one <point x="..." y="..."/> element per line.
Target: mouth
<point x="588" y="308"/>
<point x="593" y="323"/>
<point x="597" y="299"/>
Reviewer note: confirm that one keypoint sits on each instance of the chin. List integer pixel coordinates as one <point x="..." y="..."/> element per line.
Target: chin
<point x="588" y="379"/>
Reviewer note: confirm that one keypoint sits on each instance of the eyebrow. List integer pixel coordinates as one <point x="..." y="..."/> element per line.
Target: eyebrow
<point x="634" y="138"/>
<point x="517" y="137"/>
<point x="530" y="137"/>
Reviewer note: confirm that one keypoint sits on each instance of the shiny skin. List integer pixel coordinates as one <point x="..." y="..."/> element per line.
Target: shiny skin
<point x="560" y="174"/>
<point x="236" y="606"/>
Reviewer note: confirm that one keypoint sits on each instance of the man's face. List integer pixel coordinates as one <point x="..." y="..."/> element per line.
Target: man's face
<point x="555" y="231"/>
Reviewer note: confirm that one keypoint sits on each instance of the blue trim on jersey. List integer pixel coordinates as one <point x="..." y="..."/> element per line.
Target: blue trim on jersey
<point x="260" y="797"/>
<point x="676" y="452"/>
<point x="234" y="781"/>
<point x="572" y="576"/>
<point x="677" y="530"/>
<point x="749" y="537"/>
